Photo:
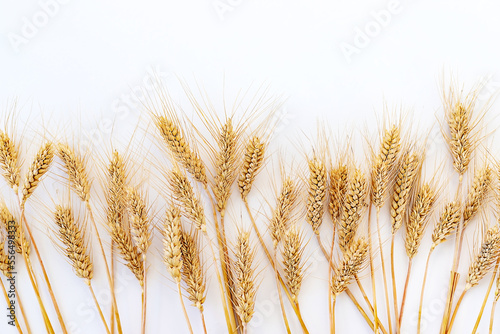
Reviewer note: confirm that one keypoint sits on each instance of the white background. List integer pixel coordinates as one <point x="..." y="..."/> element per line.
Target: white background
<point x="81" y="65"/>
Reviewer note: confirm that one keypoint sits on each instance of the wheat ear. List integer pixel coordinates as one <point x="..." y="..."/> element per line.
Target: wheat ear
<point x="337" y="188"/>
<point x="141" y="224"/>
<point x="244" y="277"/>
<point x="354" y="204"/>
<point x="482" y="265"/>
<point x="116" y="200"/>
<point x="192" y="270"/>
<point x="38" y="168"/>
<point x="179" y="147"/>
<point x="285" y="205"/>
<point x="13" y="230"/>
<point x="419" y="216"/>
<point x="477" y="194"/>
<point x="293" y="263"/>
<point x="317" y="188"/>
<point x="9" y="164"/>
<point x="354" y="260"/>
<point x="252" y="163"/>
<point x="460" y="138"/>
<point x="184" y="193"/>
<point x="79" y="181"/>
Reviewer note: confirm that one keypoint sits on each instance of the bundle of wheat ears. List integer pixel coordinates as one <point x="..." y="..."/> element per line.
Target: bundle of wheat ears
<point x="324" y="203"/>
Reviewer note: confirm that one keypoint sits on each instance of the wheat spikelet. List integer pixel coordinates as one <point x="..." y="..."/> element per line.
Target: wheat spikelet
<point x="192" y="271"/>
<point x="459" y="141"/>
<point x="402" y="188"/>
<point x="316" y="193"/>
<point x="354" y="204"/>
<point x="38" y="168"/>
<point x="383" y="164"/>
<point x="116" y="200"/>
<point x="244" y="278"/>
<point x="252" y="163"/>
<point x="172" y="242"/>
<point x="182" y="152"/>
<point x="13" y="230"/>
<point x="225" y="165"/>
<point x="184" y="194"/>
<point x="72" y="236"/>
<point x="354" y="260"/>
<point x="419" y="216"/>
<point x="286" y="203"/>
<point x="338" y="186"/>
<point x="75" y="168"/>
<point x="6" y="265"/>
<point x="140" y="225"/>
<point x="485" y="260"/>
<point x="447" y="224"/>
<point x="477" y="194"/>
<point x="9" y="161"/>
<point x="293" y="265"/>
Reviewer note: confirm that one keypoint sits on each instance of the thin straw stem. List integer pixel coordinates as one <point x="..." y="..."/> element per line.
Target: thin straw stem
<point x="394" y="288"/>
<point x="184" y="309"/>
<point x="98" y="307"/>
<point x="456" y="311"/>
<point x="386" y="289"/>
<point x="8" y="303"/>
<point x="422" y="290"/>
<point x="114" y="307"/>
<point x="21" y="307"/>
<point x="203" y="322"/>
<point x="403" y="301"/>
<point x="280" y="295"/>
<point x="485" y="300"/>
<point x="492" y="316"/>
<point x="372" y="270"/>
<point x="144" y="297"/>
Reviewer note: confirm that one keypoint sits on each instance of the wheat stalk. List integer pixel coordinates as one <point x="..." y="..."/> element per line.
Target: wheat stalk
<point x="9" y="164"/>
<point x="316" y="193"/>
<point x="38" y="168"/>
<point x="285" y="205"/>
<point x="353" y="207"/>
<point x="252" y="163"/>
<point x="244" y="278"/>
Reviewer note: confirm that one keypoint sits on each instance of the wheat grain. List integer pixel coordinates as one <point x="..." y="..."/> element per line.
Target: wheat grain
<point x="485" y="260"/>
<point x="447" y="224"/>
<point x="353" y="207"/>
<point x="316" y="193"/>
<point x="402" y="188"/>
<point x="419" y="216"/>
<point x="285" y="205"/>
<point x="252" y="163"/>
<point x="192" y="271"/>
<point x="172" y="242"/>
<point x="38" y="168"/>
<point x="184" y="194"/>
<point x="293" y="265"/>
<point x="244" y="277"/>
<point x="354" y="260"/>
<point x="72" y="236"/>
<point x="9" y="164"/>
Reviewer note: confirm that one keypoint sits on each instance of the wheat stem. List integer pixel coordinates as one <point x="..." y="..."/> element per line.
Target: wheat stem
<point x="372" y="270"/>
<point x="203" y="322"/>
<point x="97" y="306"/>
<point x="386" y="289"/>
<point x="332" y="329"/>
<point x="21" y="307"/>
<point x="404" y="295"/>
<point x="485" y="300"/>
<point x="184" y="308"/>
<point x="422" y="290"/>
<point x="492" y="316"/>
<point x="280" y="296"/>
<point x="144" y="296"/>
<point x="459" y="302"/>
<point x="394" y="288"/>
